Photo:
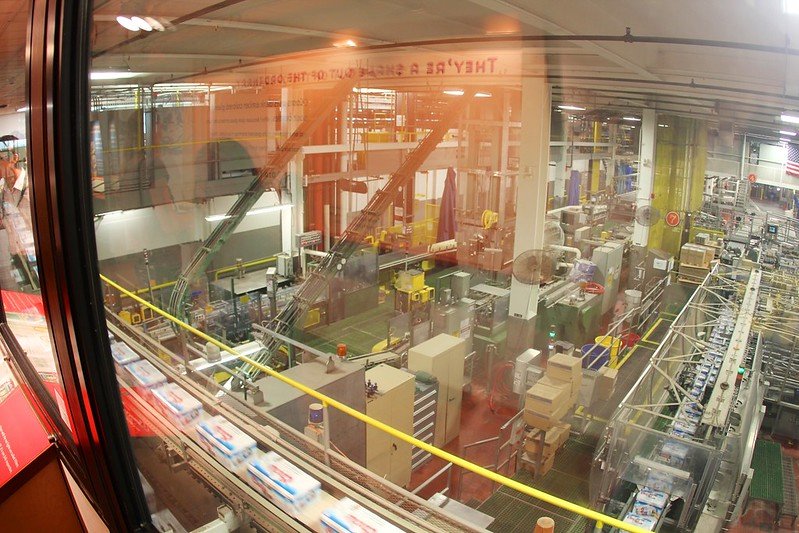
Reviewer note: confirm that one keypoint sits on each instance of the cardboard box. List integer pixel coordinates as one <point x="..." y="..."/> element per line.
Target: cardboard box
<point x="554" y="439"/>
<point x="287" y="486"/>
<point x="547" y="399"/>
<point x="349" y="517"/>
<point x="573" y="386"/>
<point x="606" y="383"/>
<point x="529" y="464"/>
<point x="564" y="367"/>
<point x="544" y="421"/>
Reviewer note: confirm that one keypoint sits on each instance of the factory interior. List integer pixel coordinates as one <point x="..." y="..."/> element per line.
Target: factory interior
<point x="483" y="265"/>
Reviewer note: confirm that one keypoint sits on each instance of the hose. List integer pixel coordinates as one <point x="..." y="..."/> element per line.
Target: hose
<point x="500" y="383"/>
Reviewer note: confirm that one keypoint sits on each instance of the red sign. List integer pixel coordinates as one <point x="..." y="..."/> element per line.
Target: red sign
<point x="672" y="219"/>
<point x="22" y="437"/>
<point x="752" y="178"/>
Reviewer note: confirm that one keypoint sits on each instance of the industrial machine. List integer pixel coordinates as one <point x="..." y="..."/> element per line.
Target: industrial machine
<point x="677" y="450"/>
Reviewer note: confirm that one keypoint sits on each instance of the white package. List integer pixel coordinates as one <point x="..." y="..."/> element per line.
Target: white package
<point x="229" y="444"/>
<point x="349" y="517"/>
<point x="177" y="404"/>
<point x="145" y="375"/>
<point x="287" y="486"/>
<point x="122" y="353"/>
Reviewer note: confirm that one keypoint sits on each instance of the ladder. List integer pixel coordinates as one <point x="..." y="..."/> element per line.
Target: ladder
<point x="270" y="177"/>
<point x="353" y="237"/>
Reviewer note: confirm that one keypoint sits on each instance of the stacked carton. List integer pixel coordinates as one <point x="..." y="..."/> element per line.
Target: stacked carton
<point x="553" y="440"/>
<point x="695" y="261"/>
<point x="564" y="368"/>
<point x="554" y="394"/>
<point x="606" y="383"/>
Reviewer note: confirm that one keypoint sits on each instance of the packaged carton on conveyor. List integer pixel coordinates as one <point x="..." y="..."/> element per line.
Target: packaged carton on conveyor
<point x="230" y="445"/>
<point x="349" y="517"/>
<point x="176" y="404"/>
<point x="645" y="522"/>
<point x="287" y="486"/>
<point x="145" y="376"/>
<point x="122" y="353"/>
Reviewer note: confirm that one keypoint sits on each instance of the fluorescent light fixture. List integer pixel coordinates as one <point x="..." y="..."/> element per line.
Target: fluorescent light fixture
<point x="112" y="74"/>
<point x="110" y="214"/>
<point x="788" y="133"/>
<point x="348" y="43"/>
<point x="571" y="108"/>
<point x="784" y="140"/>
<point x="632" y="119"/>
<point x="371" y="90"/>
<point x="23" y="109"/>
<point x="663" y="125"/>
<point x="259" y="211"/>
<point x="454" y="92"/>
<point x="482" y="95"/>
<point x="790" y="119"/>
<point x="127" y="23"/>
<point x="141" y="23"/>
<point x="154" y="24"/>
<point x="790" y="7"/>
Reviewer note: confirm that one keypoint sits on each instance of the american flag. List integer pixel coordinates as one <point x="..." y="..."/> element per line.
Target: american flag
<point x="792" y="163"/>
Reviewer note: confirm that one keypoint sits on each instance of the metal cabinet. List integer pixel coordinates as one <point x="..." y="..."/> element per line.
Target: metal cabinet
<point x="388" y="456"/>
<point x="424" y="418"/>
<point x="443" y="357"/>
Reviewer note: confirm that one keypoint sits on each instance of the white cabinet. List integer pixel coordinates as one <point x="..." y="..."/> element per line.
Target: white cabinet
<point x="443" y="357"/>
<point x="388" y="456"/>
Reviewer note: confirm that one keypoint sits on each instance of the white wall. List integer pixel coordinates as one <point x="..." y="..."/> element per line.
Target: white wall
<point x="13" y="124"/>
<point x="132" y="231"/>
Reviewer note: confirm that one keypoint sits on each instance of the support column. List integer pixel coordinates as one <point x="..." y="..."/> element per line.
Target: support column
<point x="646" y="172"/>
<point x="531" y="198"/>
<point x="292" y="112"/>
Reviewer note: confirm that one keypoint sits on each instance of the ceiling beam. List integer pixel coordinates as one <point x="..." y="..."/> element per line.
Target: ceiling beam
<point x="258" y="26"/>
<point x="525" y="16"/>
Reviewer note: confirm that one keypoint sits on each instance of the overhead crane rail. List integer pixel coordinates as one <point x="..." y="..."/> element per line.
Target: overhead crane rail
<point x="596" y="516"/>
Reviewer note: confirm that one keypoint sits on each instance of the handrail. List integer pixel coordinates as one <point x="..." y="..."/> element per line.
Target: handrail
<point x="328" y="401"/>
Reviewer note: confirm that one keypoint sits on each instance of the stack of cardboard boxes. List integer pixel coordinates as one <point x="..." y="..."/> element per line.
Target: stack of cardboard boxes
<point x="553" y="440"/>
<point x="695" y="262"/>
<point x="605" y="383"/>
<point x="546" y="403"/>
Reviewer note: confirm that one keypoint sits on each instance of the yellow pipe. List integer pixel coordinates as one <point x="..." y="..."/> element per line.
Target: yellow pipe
<point x="244" y="265"/>
<point x="454" y="459"/>
<point x="156" y="287"/>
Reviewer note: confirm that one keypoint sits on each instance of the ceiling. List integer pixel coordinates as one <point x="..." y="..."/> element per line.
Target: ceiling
<point x="734" y="63"/>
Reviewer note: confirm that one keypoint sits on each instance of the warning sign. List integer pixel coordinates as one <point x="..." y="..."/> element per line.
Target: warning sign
<point x="672" y="219"/>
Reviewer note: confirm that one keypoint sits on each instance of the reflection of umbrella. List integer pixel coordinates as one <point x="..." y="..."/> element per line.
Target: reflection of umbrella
<point x="446" y="216"/>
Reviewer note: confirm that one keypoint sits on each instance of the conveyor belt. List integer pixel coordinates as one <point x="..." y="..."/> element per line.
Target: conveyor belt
<point x="347" y="479"/>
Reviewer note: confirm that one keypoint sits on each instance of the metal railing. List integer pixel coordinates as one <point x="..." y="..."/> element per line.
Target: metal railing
<point x="328" y="402"/>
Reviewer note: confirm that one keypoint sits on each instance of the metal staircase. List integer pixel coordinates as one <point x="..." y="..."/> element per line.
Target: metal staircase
<point x="353" y="237"/>
<point x="270" y="176"/>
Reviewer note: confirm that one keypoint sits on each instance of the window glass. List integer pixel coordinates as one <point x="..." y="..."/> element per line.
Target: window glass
<point x="19" y="274"/>
<point x="443" y="216"/>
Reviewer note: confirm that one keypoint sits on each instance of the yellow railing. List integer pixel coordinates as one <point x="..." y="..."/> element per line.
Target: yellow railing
<point x="327" y="401"/>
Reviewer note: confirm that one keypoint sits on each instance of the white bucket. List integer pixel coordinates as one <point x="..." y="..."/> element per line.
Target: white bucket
<point x="633" y="297"/>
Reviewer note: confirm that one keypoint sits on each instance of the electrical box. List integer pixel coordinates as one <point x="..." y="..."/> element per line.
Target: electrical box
<point x="523" y="362"/>
<point x="461" y="281"/>
<point x="285" y="265"/>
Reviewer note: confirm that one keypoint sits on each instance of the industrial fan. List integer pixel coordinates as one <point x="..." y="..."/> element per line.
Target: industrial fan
<point x="646" y="215"/>
<point x="553" y="234"/>
<point x="534" y="267"/>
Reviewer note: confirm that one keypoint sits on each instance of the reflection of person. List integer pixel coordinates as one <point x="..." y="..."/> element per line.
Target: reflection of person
<point x="16" y="244"/>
